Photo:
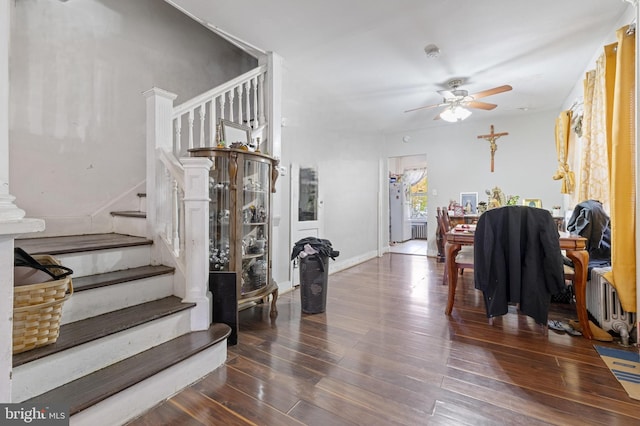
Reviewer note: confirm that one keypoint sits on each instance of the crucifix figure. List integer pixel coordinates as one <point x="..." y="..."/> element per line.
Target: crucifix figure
<point x="491" y="137"/>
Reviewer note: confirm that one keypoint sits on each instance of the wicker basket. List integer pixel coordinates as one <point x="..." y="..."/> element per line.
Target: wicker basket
<point x="37" y="309"/>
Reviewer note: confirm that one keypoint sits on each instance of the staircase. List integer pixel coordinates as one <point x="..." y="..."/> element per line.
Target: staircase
<point x="125" y="342"/>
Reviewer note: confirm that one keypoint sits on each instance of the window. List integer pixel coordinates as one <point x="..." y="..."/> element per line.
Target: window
<point x="308" y="201"/>
<point x="419" y="199"/>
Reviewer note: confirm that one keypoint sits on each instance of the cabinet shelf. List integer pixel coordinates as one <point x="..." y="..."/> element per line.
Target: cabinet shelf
<point x="252" y="256"/>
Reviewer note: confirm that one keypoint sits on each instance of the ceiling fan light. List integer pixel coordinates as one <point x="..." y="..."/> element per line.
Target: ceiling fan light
<point x="454" y="114"/>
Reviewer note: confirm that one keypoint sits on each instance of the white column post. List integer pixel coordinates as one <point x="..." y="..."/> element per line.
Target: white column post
<point x="159" y="136"/>
<point x="273" y="102"/>
<point x="12" y="220"/>
<point x="196" y="217"/>
<point x="273" y="106"/>
<point x="8" y="210"/>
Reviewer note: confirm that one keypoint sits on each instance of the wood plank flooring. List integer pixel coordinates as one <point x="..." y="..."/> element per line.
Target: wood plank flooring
<point x="384" y="353"/>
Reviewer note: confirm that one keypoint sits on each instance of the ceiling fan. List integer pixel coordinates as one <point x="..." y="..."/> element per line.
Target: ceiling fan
<point x="456" y="100"/>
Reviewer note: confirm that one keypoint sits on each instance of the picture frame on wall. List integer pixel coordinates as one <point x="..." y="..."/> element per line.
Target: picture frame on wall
<point x="469" y="202"/>
<point x="532" y="202"/>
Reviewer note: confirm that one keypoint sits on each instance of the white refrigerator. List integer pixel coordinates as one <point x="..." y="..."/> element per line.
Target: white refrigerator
<point x="399" y="212"/>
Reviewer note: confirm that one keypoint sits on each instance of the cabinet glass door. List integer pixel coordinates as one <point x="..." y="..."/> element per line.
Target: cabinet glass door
<point x="219" y="215"/>
<point x="256" y="181"/>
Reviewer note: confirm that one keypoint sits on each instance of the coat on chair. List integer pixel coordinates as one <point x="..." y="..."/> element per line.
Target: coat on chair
<point x="518" y="260"/>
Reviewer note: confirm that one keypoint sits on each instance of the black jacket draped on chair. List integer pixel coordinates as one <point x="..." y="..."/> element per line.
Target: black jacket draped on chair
<point x="518" y="260"/>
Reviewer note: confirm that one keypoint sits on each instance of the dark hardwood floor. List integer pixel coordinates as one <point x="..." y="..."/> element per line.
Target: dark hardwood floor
<point x="384" y="353"/>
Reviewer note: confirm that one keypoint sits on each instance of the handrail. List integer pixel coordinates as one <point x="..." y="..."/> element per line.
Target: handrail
<point x="173" y="165"/>
<point x="198" y="100"/>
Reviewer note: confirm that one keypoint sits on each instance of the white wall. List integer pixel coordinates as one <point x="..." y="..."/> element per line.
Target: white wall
<point x="457" y="161"/>
<point x="319" y="131"/>
<point x="77" y="114"/>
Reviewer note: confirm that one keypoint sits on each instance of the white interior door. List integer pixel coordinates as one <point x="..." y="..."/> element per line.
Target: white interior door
<point x="306" y="208"/>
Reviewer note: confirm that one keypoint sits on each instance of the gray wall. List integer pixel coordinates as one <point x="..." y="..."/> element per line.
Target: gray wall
<point x="77" y="115"/>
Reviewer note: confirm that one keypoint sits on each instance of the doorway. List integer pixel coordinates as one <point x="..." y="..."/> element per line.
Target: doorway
<point x="408" y="204"/>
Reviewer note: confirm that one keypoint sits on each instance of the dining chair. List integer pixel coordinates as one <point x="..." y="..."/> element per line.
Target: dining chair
<point x="464" y="259"/>
<point x="590" y="220"/>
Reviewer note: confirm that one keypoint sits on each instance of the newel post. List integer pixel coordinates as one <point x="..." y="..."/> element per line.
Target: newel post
<point x="12" y="218"/>
<point x="196" y="218"/>
<point x="159" y="136"/>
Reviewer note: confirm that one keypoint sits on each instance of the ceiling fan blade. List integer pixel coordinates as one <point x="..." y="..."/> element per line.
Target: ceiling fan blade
<point x="480" y="105"/>
<point x="490" y="92"/>
<point x="425" y="107"/>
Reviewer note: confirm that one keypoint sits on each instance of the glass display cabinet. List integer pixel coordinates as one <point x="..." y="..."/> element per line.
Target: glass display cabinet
<point x="240" y="187"/>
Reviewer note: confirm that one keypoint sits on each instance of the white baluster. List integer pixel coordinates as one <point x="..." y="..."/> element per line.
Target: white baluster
<point x="231" y="98"/>
<point x="222" y="99"/>
<point x="175" y="222"/>
<point x="212" y="123"/>
<point x="254" y="84"/>
<point x="178" y="129"/>
<point x="203" y="114"/>
<point x="261" y="98"/>
<point x="190" y="128"/>
<point x="247" y="105"/>
<point x="240" y="103"/>
<point x="163" y="205"/>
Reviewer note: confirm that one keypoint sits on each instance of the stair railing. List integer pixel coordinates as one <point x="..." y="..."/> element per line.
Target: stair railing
<point x="241" y="101"/>
<point x="178" y="185"/>
<point x="170" y="190"/>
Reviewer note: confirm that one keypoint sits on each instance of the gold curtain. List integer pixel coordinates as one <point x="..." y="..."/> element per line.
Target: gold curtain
<point x="594" y="162"/>
<point x="623" y="177"/>
<point x="563" y="133"/>
<point x="575" y="147"/>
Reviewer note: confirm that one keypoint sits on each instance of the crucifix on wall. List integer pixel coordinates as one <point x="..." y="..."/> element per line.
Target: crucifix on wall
<point x="491" y="137"/>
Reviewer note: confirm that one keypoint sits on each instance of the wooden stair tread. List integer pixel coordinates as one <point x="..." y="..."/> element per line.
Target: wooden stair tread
<point x="95" y="387"/>
<point x="87" y="330"/>
<point x="79" y="243"/>
<point x="121" y="276"/>
<point x="130" y="213"/>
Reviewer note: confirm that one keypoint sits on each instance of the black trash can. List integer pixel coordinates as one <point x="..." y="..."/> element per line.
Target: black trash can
<point x="313" y="254"/>
<point x="314" y="276"/>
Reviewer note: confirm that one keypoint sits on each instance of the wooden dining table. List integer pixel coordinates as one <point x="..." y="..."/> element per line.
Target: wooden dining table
<point x="575" y="248"/>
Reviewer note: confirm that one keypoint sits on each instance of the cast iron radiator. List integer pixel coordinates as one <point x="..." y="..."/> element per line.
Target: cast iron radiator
<point x="604" y="306"/>
<point x="419" y="231"/>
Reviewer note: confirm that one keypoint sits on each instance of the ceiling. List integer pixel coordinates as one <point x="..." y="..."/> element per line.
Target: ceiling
<point x="369" y="54"/>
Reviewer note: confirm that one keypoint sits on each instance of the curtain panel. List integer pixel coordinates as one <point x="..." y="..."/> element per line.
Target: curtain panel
<point x="622" y="171"/>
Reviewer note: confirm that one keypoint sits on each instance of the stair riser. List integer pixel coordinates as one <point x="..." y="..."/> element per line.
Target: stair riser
<point x="130" y="226"/>
<point x="136" y="400"/>
<point x="97" y="301"/>
<point x="142" y="203"/>
<point x="42" y="375"/>
<point x="96" y="262"/>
